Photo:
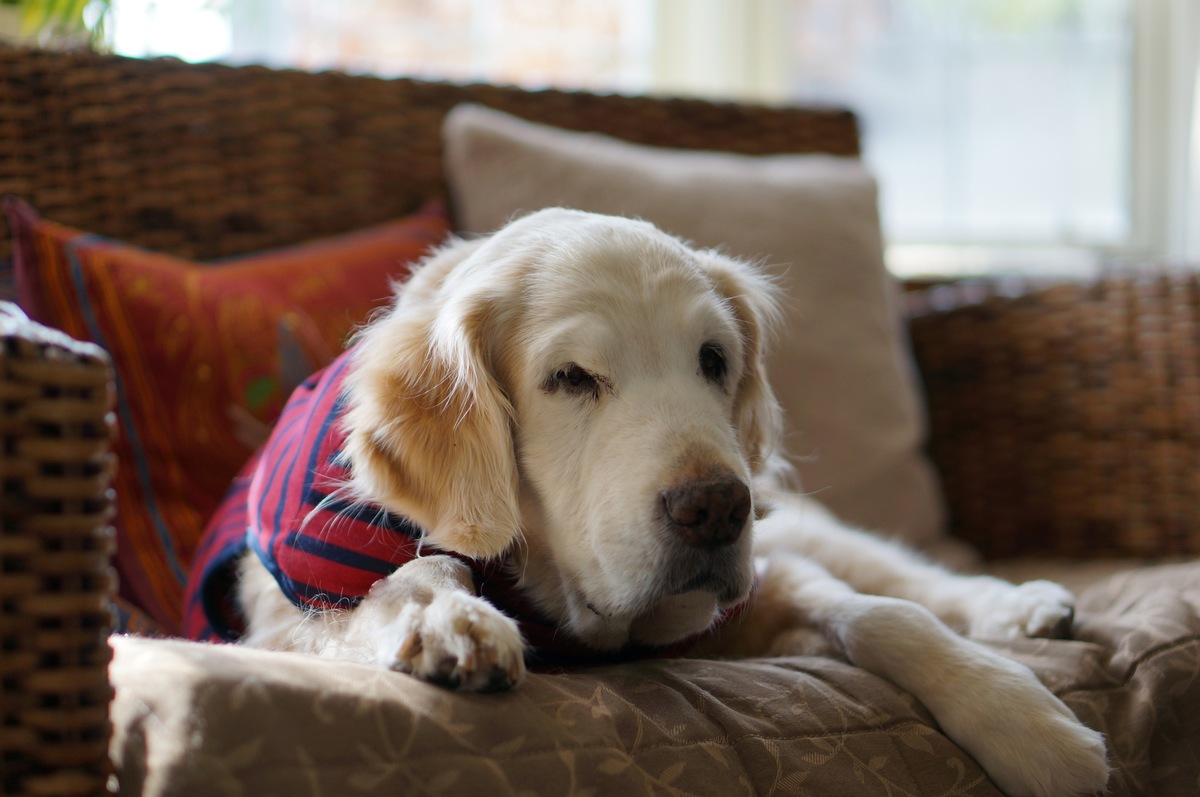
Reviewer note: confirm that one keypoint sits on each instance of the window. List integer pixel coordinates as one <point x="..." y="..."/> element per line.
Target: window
<point x="987" y="122"/>
<point x="994" y="126"/>
<point x="589" y="44"/>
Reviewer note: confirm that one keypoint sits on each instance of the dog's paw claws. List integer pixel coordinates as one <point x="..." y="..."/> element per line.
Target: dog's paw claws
<point x="498" y="680"/>
<point x="1064" y="627"/>
<point x="459" y="642"/>
<point x="1033" y="609"/>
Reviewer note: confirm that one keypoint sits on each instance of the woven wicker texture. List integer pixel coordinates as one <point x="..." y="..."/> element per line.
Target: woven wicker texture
<point x="206" y="161"/>
<point x="55" y="581"/>
<point x="1065" y="420"/>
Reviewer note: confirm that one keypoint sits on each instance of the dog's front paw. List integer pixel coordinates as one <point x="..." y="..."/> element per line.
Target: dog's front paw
<point x="458" y="641"/>
<point x="1026" y="739"/>
<point x="1035" y="609"/>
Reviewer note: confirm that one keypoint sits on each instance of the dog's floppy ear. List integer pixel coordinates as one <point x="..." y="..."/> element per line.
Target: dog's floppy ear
<point x="429" y="429"/>
<point x="751" y="295"/>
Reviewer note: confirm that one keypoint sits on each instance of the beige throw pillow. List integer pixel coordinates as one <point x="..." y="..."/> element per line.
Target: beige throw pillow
<point x="841" y="366"/>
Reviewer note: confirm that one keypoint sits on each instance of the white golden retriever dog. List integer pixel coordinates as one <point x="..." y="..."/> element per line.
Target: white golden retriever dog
<point x="582" y="398"/>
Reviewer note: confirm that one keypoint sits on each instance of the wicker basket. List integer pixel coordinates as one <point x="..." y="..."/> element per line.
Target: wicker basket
<point x="55" y="582"/>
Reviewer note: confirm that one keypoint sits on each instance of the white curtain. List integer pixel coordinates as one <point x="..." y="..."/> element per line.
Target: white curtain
<point x="1187" y="233"/>
<point x="734" y="50"/>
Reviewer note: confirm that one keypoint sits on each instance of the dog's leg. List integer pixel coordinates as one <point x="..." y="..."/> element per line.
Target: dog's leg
<point x="1026" y="739"/>
<point x="980" y="606"/>
<point x="423" y="619"/>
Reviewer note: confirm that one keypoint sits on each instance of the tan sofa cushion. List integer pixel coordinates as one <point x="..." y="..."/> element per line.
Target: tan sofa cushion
<point x="841" y="366"/>
<point x="225" y="720"/>
<point x="193" y="718"/>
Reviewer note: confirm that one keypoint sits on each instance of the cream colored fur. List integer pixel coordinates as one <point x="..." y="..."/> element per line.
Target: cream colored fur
<point x="537" y="393"/>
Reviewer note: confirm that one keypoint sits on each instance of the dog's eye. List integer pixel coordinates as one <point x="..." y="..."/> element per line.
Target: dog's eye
<point x="575" y="380"/>
<point x="712" y="363"/>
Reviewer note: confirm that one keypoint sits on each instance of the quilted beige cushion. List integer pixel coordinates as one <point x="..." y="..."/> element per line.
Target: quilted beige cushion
<point x="221" y="720"/>
<point x="841" y="366"/>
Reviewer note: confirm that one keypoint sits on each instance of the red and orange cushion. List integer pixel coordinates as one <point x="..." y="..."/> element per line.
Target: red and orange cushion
<point x="205" y="357"/>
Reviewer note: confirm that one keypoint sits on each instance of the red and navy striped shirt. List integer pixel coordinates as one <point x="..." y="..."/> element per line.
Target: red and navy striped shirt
<point x="325" y="550"/>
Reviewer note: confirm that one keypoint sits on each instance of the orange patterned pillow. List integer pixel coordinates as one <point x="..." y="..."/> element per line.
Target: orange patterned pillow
<point x="205" y="356"/>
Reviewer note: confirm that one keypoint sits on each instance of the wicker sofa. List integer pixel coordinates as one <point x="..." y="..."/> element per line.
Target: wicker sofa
<point x="1064" y="423"/>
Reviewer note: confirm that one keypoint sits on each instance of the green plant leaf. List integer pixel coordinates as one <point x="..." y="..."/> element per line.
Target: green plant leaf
<point x="259" y="391"/>
<point x="59" y="17"/>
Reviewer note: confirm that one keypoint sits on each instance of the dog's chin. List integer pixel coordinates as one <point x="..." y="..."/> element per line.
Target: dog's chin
<point x="683" y="607"/>
<point x="675" y="617"/>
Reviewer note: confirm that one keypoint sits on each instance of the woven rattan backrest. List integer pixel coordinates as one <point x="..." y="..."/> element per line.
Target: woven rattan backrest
<point x="55" y="581"/>
<point x="208" y="160"/>
<point x="1065" y="420"/>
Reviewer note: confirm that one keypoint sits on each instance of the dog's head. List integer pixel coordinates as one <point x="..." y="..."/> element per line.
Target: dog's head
<point x="587" y="393"/>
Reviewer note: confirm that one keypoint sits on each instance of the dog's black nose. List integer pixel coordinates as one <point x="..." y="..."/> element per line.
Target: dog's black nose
<point x="707" y="513"/>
